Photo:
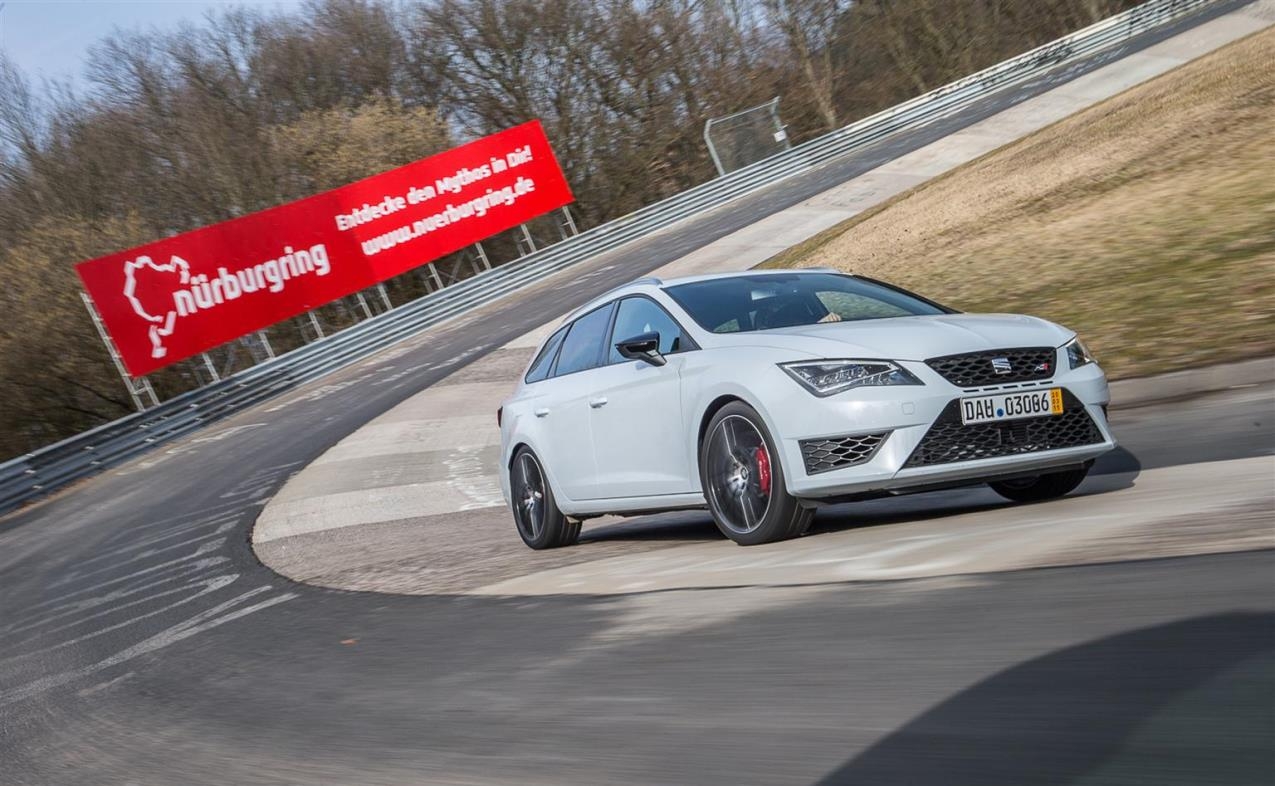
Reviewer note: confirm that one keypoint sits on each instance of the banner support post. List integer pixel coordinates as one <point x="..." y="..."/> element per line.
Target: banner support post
<point x="134" y="390"/>
<point x="385" y="297"/>
<point x="571" y="222"/>
<point x="212" y="369"/>
<point x="482" y="255"/>
<point x="526" y="234"/>
<point x="265" y="342"/>
<point x="433" y="269"/>
<point x="367" y="312"/>
<point x="145" y="384"/>
<point x="314" y="323"/>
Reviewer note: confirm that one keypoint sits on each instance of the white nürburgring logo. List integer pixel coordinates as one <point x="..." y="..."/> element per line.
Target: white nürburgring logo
<point x="162" y="325"/>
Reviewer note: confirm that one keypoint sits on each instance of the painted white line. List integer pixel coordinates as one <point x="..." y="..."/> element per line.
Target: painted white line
<point x="204" y="621"/>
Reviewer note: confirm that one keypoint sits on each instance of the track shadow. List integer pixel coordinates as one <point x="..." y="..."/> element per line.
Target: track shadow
<point x="1113" y="472"/>
<point x="1189" y="702"/>
<point x="678" y="527"/>
<point x="1118" y="462"/>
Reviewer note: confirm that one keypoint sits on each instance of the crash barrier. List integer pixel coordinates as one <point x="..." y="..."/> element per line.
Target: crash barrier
<point x="38" y="473"/>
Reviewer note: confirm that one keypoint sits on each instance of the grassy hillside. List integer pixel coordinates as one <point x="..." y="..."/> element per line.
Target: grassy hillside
<point x="1147" y="223"/>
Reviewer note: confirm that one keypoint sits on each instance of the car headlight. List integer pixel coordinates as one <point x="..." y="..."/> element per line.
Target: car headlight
<point x="1077" y="353"/>
<point x="826" y="377"/>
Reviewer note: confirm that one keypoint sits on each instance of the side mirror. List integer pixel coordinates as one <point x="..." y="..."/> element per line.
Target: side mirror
<point x="645" y="347"/>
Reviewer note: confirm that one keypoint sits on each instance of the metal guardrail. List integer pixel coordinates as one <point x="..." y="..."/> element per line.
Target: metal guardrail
<point x="45" y="470"/>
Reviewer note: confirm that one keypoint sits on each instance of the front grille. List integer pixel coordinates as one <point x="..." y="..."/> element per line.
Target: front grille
<point x="976" y="369"/>
<point x="949" y="440"/>
<point x="825" y="455"/>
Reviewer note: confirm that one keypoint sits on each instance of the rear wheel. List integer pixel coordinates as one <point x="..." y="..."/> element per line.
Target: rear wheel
<point x="1041" y="487"/>
<point x="541" y="525"/>
<point x="744" y="481"/>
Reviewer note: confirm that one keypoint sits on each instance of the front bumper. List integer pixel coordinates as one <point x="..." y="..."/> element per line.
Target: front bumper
<point x="907" y="414"/>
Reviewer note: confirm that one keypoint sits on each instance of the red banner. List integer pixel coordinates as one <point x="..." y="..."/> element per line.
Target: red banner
<point x="174" y="298"/>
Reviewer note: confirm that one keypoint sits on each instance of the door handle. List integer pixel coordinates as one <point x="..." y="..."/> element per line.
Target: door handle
<point x="540" y="413"/>
<point x="598" y="402"/>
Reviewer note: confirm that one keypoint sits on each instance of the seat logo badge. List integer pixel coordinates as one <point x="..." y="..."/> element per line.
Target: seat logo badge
<point x="1002" y="366"/>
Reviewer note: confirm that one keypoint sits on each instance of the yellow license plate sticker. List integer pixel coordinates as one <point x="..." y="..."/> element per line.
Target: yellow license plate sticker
<point x="1055" y="401"/>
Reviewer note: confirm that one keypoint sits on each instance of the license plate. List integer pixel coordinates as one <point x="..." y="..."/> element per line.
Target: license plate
<point x="1011" y="406"/>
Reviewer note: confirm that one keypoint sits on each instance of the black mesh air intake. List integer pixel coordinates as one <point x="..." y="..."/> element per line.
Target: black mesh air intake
<point x="825" y="455"/>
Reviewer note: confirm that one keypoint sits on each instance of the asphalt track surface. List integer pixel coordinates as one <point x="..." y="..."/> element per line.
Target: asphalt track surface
<point x="141" y="642"/>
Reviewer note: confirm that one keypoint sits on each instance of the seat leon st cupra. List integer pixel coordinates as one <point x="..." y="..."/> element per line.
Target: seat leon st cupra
<point x="763" y="395"/>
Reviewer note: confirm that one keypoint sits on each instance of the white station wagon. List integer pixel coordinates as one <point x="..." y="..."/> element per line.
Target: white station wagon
<point x="763" y="395"/>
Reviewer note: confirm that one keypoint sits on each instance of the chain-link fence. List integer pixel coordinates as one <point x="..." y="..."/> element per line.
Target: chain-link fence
<point x="746" y="137"/>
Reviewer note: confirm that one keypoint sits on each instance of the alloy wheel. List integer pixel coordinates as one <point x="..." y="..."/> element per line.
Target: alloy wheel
<point x="739" y="474"/>
<point x="529" y="494"/>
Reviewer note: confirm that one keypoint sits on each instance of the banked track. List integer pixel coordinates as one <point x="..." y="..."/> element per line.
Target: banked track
<point x="44" y="471"/>
<point x="143" y="643"/>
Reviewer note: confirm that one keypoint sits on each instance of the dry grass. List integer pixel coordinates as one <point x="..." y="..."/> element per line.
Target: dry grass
<point x="1146" y="223"/>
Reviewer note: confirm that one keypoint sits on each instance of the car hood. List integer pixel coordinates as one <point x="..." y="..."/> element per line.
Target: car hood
<point x="908" y="338"/>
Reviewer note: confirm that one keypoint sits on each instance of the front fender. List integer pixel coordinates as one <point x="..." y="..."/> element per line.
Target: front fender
<point x="757" y="381"/>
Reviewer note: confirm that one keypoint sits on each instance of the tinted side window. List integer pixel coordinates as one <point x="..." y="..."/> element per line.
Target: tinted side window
<point x="582" y="348"/>
<point x="544" y="361"/>
<point x="638" y="315"/>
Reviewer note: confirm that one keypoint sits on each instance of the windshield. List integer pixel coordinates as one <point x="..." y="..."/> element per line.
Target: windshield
<point x="763" y="302"/>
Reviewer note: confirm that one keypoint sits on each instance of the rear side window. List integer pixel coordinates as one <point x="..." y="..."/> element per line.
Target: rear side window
<point x="636" y="316"/>
<point x="544" y="361"/>
<point x="582" y="348"/>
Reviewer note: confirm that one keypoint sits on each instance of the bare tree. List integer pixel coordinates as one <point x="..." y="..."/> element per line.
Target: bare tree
<point x="813" y="30"/>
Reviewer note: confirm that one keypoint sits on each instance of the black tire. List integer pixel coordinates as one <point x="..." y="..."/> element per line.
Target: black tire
<point x="743" y="480"/>
<point x="539" y="522"/>
<point x="1042" y="487"/>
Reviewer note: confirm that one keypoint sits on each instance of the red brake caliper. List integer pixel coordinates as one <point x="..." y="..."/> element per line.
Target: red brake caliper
<point x="763" y="470"/>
